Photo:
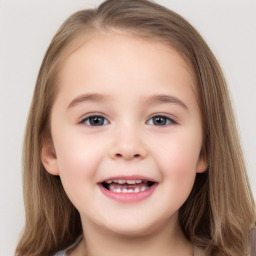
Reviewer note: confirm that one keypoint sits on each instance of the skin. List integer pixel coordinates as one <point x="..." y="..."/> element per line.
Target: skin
<point x="126" y="72"/>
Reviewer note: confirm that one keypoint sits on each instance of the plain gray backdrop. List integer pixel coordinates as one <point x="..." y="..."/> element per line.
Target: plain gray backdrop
<point x="26" y="28"/>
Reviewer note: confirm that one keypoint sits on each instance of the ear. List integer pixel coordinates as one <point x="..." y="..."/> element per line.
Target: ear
<point x="202" y="164"/>
<point x="49" y="158"/>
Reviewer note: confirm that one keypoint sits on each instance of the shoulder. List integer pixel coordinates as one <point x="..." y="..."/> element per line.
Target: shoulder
<point x="65" y="252"/>
<point x="198" y="251"/>
<point x="61" y="253"/>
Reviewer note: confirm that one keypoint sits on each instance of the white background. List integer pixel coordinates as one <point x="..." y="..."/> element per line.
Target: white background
<point x="26" y="28"/>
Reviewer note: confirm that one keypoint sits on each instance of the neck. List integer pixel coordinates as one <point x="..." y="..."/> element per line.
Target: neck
<point x="168" y="240"/>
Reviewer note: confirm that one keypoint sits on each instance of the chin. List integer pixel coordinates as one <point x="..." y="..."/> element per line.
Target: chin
<point x="130" y="232"/>
<point x="131" y="228"/>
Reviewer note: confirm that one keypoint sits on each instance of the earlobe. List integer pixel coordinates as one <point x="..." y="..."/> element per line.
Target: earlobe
<point x="49" y="158"/>
<point x="202" y="164"/>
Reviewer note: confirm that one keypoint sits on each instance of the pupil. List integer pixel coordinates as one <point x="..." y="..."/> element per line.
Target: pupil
<point x="95" y="120"/>
<point x="159" y="120"/>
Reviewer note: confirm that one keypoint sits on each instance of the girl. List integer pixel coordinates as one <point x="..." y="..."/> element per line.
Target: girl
<point x="131" y="145"/>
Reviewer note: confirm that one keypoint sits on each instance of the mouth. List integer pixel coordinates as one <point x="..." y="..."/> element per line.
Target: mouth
<point x="127" y="186"/>
<point x="128" y="189"/>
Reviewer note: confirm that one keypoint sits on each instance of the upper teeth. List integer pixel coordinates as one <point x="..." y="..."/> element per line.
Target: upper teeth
<point x="121" y="181"/>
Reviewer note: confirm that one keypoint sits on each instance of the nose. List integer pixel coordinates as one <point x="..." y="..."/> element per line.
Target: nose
<point x="127" y="145"/>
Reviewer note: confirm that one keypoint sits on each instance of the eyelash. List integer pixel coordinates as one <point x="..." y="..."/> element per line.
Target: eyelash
<point x="103" y="121"/>
<point x="91" y="117"/>
<point x="167" y="120"/>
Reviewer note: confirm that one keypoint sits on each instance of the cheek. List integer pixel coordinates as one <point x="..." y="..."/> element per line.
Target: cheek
<point x="180" y="153"/>
<point x="178" y="162"/>
<point x="77" y="159"/>
<point x="179" y="177"/>
<point x="179" y="170"/>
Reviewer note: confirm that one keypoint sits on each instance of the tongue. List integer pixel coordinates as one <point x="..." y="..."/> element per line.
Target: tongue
<point x="114" y="186"/>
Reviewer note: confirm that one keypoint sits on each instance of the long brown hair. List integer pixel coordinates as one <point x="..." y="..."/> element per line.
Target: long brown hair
<point x="220" y="210"/>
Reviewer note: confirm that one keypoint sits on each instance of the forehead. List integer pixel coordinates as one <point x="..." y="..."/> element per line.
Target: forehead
<point x="109" y="59"/>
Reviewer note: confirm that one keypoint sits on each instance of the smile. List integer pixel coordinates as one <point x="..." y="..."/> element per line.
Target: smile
<point x="127" y="190"/>
<point x="129" y="186"/>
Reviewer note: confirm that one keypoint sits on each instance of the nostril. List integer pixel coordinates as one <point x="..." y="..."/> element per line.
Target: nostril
<point x="128" y="156"/>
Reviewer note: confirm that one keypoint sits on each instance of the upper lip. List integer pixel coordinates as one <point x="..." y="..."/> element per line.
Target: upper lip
<point x="132" y="177"/>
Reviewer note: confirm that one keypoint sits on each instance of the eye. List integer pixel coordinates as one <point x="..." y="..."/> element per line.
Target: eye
<point x="160" y="121"/>
<point x="95" y="121"/>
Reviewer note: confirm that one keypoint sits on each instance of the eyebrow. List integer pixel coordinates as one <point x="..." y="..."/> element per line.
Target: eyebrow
<point x="156" y="99"/>
<point x="94" y="97"/>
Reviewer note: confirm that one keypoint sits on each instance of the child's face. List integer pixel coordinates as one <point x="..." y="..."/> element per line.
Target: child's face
<point x="126" y="109"/>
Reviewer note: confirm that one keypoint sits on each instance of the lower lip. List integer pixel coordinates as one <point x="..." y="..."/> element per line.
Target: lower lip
<point x="128" y="197"/>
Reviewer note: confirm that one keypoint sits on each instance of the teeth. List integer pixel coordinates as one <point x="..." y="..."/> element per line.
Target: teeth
<point x="144" y="188"/>
<point x="127" y="186"/>
<point x="131" y="181"/>
<point x="130" y="190"/>
<point x="120" y="181"/>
